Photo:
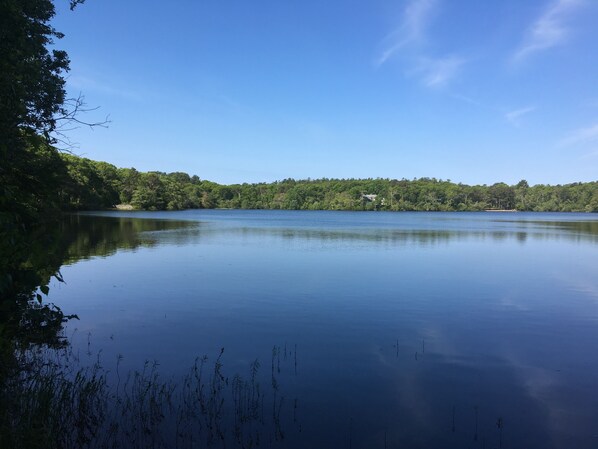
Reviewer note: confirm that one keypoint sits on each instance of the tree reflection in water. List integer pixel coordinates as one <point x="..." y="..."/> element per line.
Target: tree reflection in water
<point x="53" y="397"/>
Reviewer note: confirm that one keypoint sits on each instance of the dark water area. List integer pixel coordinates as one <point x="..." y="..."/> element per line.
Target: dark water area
<point x="371" y="330"/>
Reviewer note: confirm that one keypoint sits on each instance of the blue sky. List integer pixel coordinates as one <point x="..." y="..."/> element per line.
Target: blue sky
<point x="236" y="91"/>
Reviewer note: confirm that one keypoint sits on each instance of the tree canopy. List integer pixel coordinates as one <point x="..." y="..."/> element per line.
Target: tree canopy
<point x="32" y="101"/>
<point x="99" y="185"/>
<point x="32" y="171"/>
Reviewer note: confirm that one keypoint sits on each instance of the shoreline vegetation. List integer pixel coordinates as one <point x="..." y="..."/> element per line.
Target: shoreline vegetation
<point x="85" y="184"/>
<point x="63" y="399"/>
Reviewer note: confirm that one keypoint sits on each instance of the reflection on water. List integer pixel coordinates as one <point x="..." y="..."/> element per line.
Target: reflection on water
<point x="103" y="233"/>
<point x="479" y="332"/>
<point x="86" y="236"/>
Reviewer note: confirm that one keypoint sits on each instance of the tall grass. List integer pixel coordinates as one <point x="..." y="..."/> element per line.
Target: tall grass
<point x="53" y="401"/>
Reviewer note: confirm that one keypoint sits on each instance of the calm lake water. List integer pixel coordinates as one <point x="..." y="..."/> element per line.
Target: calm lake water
<point x="372" y="330"/>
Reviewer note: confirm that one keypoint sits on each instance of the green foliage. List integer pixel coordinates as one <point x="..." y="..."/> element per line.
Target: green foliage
<point x="89" y="184"/>
<point x="32" y="105"/>
<point x="31" y="79"/>
<point x="98" y="185"/>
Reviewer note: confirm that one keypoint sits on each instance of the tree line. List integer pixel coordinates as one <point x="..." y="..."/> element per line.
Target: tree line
<point x="89" y="184"/>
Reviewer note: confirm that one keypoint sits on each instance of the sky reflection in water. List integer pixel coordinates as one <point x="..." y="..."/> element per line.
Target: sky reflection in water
<point x="421" y="330"/>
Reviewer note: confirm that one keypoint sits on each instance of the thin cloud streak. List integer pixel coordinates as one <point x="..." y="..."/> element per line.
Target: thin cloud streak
<point x="88" y="84"/>
<point x="514" y="116"/>
<point x="438" y="72"/>
<point x="548" y="30"/>
<point x="467" y="99"/>
<point x="407" y="39"/>
<point x="411" y="31"/>
<point x="581" y="136"/>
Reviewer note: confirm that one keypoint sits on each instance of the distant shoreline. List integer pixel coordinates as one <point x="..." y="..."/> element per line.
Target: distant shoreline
<point x="98" y="185"/>
<point x="130" y="208"/>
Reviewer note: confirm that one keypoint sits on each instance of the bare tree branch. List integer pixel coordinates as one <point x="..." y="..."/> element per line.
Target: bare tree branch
<point x="70" y="120"/>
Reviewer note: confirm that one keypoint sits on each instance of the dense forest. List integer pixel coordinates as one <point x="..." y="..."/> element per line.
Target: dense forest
<point x="88" y="184"/>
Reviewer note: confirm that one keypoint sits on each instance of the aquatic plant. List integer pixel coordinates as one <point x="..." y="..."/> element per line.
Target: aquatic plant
<point x="57" y="400"/>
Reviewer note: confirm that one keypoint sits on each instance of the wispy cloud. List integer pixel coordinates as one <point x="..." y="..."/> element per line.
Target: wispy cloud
<point x="549" y="30"/>
<point x="581" y="136"/>
<point x="467" y="99"/>
<point x="411" y="30"/>
<point x="514" y="116"/>
<point x="85" y="84"/>
<point x="408" y="41"/>
<point x="438" y="72"/>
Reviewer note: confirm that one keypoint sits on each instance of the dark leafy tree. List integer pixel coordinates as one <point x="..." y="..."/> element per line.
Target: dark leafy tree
<point x="32" y="105"/>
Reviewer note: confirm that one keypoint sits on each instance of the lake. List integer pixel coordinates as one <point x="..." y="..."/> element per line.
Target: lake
<point x="371" y="329"/>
